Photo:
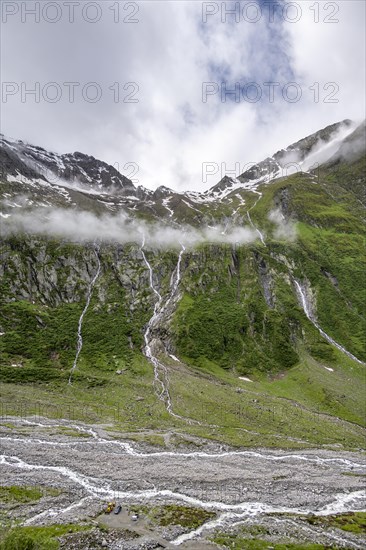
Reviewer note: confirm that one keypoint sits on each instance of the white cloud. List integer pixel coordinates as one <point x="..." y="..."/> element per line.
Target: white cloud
<point x="81" y="226"/>
<point x="169" y="54"/>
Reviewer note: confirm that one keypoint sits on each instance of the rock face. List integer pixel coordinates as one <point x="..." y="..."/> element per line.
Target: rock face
<point x="201" y="335"/>
<point x="32" y="162"/>
<point x="13" y="165"/>
<point x="296" y="153"/>
<point x="82" y="180"/>
<point x="236" y="305"/>
<point x="307" y="145"/>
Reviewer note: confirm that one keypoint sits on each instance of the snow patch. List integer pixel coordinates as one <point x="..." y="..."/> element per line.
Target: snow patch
<point x="165" y="204"/>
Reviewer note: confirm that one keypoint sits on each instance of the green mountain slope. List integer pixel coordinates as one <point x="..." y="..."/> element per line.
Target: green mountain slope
<point x="236" y="312"/>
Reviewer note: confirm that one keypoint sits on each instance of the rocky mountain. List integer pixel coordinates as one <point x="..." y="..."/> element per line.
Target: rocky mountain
<point x="25" y="161"/>
<point x="79" y="180"/>
<point x="275" y="292"/>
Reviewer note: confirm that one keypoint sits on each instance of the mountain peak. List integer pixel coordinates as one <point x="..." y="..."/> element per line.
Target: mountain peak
<point x="306" y="145"/>
<point x="84" y="171"/>
<point x="72" y="173"/>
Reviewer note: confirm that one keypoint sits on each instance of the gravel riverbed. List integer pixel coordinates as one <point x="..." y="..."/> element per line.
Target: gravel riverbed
<point x="243" y="487"/>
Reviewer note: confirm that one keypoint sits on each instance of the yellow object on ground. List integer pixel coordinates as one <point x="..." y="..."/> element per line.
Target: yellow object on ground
<point x="110" y="507"/>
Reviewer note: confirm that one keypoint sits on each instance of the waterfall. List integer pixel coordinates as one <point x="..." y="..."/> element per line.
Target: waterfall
<point x="307" y="310"/>
<point x="80" y="324"/>
<point x="160" y="370"/>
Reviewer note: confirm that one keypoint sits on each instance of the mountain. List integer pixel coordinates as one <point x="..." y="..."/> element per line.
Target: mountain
<point x="31" y="162"/>
<point x="250" y="294"/>
<point x="83" y="181"/>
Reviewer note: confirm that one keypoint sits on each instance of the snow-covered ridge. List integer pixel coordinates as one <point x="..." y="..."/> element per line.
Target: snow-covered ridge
<point x="29" y="163"/>
<point x="36" y="167"/>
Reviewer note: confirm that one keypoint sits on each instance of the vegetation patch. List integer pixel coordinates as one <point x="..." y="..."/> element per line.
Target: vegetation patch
<point x="18" y="494"/>
<point x="70" y="432"/>
<point x="354" y="522"/>
<point x="185" y="516"/>
<point x="236" y="542"/>
<point x="239" y="315"/>
<point x="151" y="439"/>
<point x="172" y="514"/>
<point x="37" y="538"/>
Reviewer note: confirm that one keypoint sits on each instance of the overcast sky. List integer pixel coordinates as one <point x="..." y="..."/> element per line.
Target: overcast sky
<point x="157" y="56"/>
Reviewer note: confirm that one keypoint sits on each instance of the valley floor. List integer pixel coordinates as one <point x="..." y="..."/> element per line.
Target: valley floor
<point x="197" y="495"/>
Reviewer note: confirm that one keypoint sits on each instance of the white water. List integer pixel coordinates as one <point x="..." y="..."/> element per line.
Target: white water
<point x="101" y="489"/>
<point x="303" y="299"/>
<point x="129" y="449"/>
<point x="165" y="203"/>
<point x="161" y="377"/>
<point x="52" y="512"/>
<point x="227" y="519"/>
<point x="229" y="513"/>
<point x="250" y="219"/>
<point x="148" y="351"/>
<point x="80" y="325"/>
<point x="174" y="282"/>
<point x="307" y="310"/>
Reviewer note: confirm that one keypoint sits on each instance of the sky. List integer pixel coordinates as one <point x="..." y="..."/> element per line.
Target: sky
<point x="179" y="93"/>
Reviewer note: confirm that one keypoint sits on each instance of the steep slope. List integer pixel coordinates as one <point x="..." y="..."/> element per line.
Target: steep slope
<point x="303" y="155"/>
<point x="77" y="180"/>
<point x="22" y="160"/>
<point x="195" y="315"/>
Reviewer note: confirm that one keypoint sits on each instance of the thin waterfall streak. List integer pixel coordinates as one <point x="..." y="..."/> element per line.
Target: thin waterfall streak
<point x="81" y="319"/>
<point x="307" y="310"/>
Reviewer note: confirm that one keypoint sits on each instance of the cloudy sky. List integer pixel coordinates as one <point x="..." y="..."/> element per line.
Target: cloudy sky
<point x="146" y="85"/>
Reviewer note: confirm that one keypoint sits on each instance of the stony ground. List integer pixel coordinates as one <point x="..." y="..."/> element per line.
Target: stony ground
<point x="248" y="491"/>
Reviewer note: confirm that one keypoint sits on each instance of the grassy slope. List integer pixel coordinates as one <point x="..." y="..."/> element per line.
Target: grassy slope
<point x="224" y="317"/>
<point x="223" y="328"/>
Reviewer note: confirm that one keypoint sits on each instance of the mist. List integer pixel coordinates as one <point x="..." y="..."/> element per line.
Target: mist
<point x="82" y="226"/>
<point x="320" y="154"/>
<point x="352" y="146"/>
<point x="284" y="229"/>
